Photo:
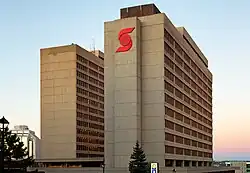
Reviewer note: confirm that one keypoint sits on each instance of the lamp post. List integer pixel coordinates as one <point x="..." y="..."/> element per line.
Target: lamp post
<point x="4" y="123"/>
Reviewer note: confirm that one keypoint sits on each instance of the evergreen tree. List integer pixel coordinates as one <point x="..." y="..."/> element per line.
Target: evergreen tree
<point x="138" y="161"/>
<point x="15" y="154"/>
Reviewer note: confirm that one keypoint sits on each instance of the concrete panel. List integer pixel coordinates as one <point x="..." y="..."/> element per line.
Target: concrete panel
<point x="152" y="32"/>
<point x="127" y="84"/>
<point x="150" y="109"/>
<point x="47" y="83"/>
<point x="149" y="46"/>
<point x="123" y="59"/>
<point x="152" y="71"/>
<point x="121" y="161"/>
<point x="127" y="70"/>
<point x="153" y="97"/>
<point x="126" y="96"/>
<point x="124" y="148"/>
<point x="126" y="136"/>
<point x="122" y="90"/>
<point x="152" y="59"/>
<point x="153" y="84"/>
<point x="153" y="148"/>
<point x="126" y="122"/>
<point x="153" y="123"/>
<point x="125" y="109"/>
<point x="109" y="125"/>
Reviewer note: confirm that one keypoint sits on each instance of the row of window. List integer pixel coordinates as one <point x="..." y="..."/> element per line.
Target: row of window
<point x="181" y="140"/>
<point x="89" y="86"/>
<point x="193" y="124"/>
<point x="89" y="125"/>
<point x="186" y="163"/>
<point x="207" y="102"/>
<point x="188" y="60"/>
<point x="87" y="70"/>
<point x="171" y="113"/>
<point x="90" y="64"/>
<point x="186" y="73"/>
<point x="83" y="155"/>
<point x="175" y="103"/>
<point x="89" y="94"/>
<point x="90" y="140"/>
<point x="179" y="128"/>
<point x="90" y="79"/>
<point x="189" y="97"/>
<point x="89" y="148"/>
<point x="89" y="132"/>
<point x="191" y="104"/>
<point x="196" y="95"/>
<point x="89" y="117"/>
<point x="89" y="102"/>
<point x="187" y="152"/>
<point x="87" y="109"/>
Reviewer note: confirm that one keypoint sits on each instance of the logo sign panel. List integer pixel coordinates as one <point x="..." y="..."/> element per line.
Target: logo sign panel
<point x="154" y="168"/>
<point x="125" y="39"/>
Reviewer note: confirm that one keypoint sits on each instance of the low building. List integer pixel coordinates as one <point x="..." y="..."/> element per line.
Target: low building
<point x="29" y="139"/>
<point x="243" y="165"/>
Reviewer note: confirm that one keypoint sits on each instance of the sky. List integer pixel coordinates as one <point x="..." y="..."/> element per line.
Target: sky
<point x="220" y="28"/>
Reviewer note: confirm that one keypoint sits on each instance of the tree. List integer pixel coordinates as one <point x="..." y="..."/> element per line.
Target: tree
<point x="138" y="161"/>
<point x="15" y="153"/>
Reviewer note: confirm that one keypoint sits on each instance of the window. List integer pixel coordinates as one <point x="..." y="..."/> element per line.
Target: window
<point x="178" y="94"/>
<point x="169" y="112"/>
<point x="179" y="151"/>
<point x="179" y="139"/>
<point x="169" y="62"/>
<point x="178" y="128"/>
<point x="169" y="50"/>
<point x="178" y="82"/>
<point x="178" y="60"/>
<point x="169" y="87"/>
<point x="169" y="100"/>
<point x="178" y="116"/>
<point x="169" y="137"/>
<point x="169" y="149"/>
<point x="168" y="74"/>
<point x="178" y="71"/>
<point x="178" y="48"/>
<point x="168" y="37"/>
<point x="169" y="124"/>
<point x="178" y="105"/>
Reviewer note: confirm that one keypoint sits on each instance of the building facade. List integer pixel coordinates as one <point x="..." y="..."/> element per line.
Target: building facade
<point x="158" y="90"/>
<point x="243" y="165"/>
<point x="29" y="139"/>
<point x="72" y="105"/>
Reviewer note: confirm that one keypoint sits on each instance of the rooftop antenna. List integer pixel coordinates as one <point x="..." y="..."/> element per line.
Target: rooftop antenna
<point x="93" y="43"/>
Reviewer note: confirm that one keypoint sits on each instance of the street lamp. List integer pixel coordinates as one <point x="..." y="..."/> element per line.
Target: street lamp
<point x="4" y="123"/>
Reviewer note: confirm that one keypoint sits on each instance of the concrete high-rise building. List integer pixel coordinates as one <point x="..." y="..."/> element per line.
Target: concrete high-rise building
<point x="158" y="90"/>
<point x="72" y="106"/>
<point x="29" y="139"/>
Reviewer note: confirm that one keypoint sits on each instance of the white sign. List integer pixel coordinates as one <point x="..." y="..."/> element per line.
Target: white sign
<point x="154" y="168"/>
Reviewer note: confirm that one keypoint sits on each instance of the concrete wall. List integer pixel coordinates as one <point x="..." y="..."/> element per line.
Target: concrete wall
<point x="58" y="102"/>
<point x="122" y="94"/>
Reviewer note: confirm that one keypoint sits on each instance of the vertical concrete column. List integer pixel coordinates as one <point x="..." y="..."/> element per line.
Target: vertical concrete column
<point x="182" y="163"/>
<point x="174" y="163"/>
<point x="122" y="91"/>
<point x="190" y="163"/>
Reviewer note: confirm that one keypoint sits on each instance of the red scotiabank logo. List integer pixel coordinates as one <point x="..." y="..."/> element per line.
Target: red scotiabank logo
<point x="125" y="40"/>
